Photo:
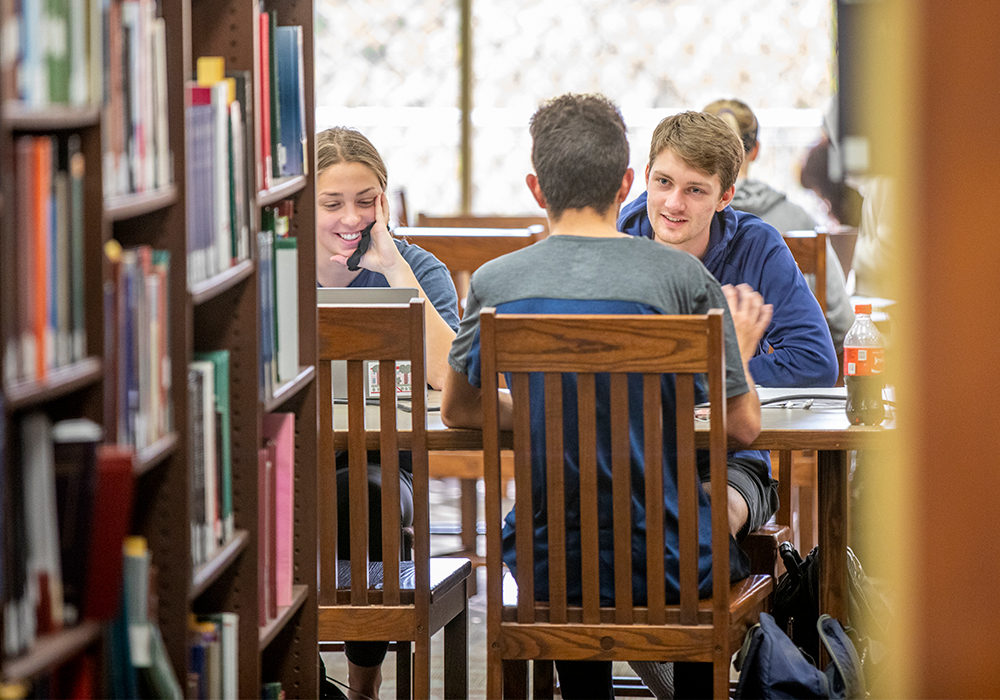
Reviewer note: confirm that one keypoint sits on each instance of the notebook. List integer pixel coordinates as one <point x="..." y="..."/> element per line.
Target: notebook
<point x="332" y="296"/>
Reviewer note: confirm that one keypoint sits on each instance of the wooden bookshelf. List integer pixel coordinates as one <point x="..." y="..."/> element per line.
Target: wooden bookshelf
<point x="218" y="313"/>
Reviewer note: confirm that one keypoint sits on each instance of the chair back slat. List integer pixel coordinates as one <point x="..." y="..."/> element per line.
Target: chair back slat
<point x="389" y="458"/>
<point x="327" y="497"/>
<point x="688" y="484"/>
<point x="589" y="522"/>
<point x="555" y="489"/>
<point x="809" y="250"/>
<point x="718" y="441"/>
<point x="524" y="528"/>
<point x="357" y="456"/>
<point x="621" y="496"/>
<point x="655" y="536"/>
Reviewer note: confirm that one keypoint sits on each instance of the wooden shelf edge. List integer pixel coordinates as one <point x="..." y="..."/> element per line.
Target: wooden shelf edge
<point x="21" y="117"/>
<point x="51" y="651"/>
<point x="129" y="205"/>
<point x="290" y="389"/>
<point x="206" y="574"/>
<point x="269" y="631"/>
<point x="155" y="454"/>
<point x="214" y="286"/>
<point x="59" y="382"/>
<point x="281" y="189"/>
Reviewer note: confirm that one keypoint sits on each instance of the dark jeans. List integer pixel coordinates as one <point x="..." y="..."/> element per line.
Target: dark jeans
<point x="370" y="653"/>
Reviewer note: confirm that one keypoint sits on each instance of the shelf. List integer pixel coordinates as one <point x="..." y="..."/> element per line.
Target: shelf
<point x="290" y="389"/>
<point x="130" y="205"/>
<point x="155" y="454"/>
<point x="214" y="286"/>
<point x="280" y="189"/>
<point x="210" y="571"/>
<point x="269" y="631"/>
<point x="20" y="117"/>
<point x="58" y="383"/>
<point x="51" y="651"/>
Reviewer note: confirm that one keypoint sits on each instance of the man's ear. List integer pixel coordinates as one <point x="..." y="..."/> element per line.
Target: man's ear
<point x="727" y="197"/>
<point x="754" y="153"/>
<point x="646" y="176"/>
<point x="536" y="191"/>
<point x="626" y="186"/>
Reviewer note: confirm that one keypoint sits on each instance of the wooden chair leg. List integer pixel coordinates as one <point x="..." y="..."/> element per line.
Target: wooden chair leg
<point x="422" y="666"/>
<point x="515" y="680"/>
<point x="404" y="669"/>
<point x="543" y="679"/>
<point x="456" y="655"/>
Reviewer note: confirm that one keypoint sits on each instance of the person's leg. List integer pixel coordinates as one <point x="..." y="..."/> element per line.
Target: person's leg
<point x="752" y="494"/>
<point x="364" y="668"/>
<point x="585" y="680"/>
<point x="658" y="676"/>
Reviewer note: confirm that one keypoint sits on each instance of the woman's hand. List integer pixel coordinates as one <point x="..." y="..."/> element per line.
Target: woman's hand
<point x="382" y="255"/>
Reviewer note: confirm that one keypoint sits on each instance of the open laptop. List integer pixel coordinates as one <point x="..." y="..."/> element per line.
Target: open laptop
<point x="340" y="296"/>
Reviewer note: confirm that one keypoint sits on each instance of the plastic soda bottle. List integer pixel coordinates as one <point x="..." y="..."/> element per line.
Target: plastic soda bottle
<point x="864" y="354"/>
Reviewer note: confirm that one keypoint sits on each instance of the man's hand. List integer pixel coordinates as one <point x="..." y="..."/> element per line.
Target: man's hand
<point x="751" y="317"/>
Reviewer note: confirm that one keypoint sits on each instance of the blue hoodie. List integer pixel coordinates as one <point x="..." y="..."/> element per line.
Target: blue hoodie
<point x="742" y="248"/>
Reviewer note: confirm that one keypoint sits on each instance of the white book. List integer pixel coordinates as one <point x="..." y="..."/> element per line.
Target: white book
<point x="286" y="269"/>
<point x="220" y="174"/>
<point x="213" y="524"/>
<point x="164" y="162"/>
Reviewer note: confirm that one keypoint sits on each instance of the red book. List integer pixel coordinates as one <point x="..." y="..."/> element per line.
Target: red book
<point x="280" y="429"/>
<point x="263" y="527"/>
<point x="42" y="192"/>
<point x="112" y="513"/>
<point x="272" y="577"/>
<point x="264" y="94"/>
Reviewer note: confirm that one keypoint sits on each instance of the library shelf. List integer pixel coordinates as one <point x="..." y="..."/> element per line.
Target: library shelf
<point x="220" y="283"/>
<point x="131" y="205"/>
<point x="58" y="383"/>
<point x="21" y="117"/>
<point x="51" y="650"/>
<point x="280" y="189"/>
<point x="152" y="456"/>
<point x="289" y="390"/>
<point x="206" y="574"/>
<point x="268" y="632"/>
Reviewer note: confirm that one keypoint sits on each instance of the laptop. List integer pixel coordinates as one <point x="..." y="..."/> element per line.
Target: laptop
<point x="340" y="296"/>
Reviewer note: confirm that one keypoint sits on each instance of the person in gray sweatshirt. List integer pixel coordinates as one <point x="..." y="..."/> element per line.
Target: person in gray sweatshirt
<point x="774" y="207"/>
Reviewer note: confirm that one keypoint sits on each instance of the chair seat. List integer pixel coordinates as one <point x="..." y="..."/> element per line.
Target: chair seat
<point x="445" y="574"/>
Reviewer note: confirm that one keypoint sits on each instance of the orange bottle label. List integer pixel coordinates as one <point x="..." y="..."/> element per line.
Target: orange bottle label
<point x="862" y="362"/>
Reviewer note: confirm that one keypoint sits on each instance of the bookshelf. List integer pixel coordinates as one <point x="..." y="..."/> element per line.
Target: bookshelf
<point x="220" y="312"/>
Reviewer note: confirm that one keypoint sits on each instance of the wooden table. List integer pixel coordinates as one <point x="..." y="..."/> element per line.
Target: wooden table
<point x="823" y="428"/>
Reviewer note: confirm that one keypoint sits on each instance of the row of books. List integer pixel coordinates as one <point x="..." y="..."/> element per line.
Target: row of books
<point x="220" y="195"/>
<point x="138" y="406"/>
<point x="214" y="657"/>
<point x="279" y="300"/>
<point x="211" y="454"/>
<point x="65" y="516"/>
<point x="276" y="514"/>
<point x="52" y="52"/>
<point x="47" y="329"/>
<point x="137" y="155"/>
<point x="281" y="129"/>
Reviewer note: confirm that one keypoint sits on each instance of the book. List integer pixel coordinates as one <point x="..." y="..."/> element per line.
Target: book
<point x="78" y="325"/>
<point x="75" y="444"/>
<point x="220" y="362"/>
<point x="272" y="529"/>
<point x="196" y="446"/>
<point x="263" y="535"/>
<point x="211" y="74"/>
<point x="291" y="99"/>
<point x="286" y="266"/>
<point x="246" y="179"/>
<point x="212" y="526"/>
<point x="227" y="628"/>
<point x="277" y="152"/>
<point x="279" y="429"/>
<point x="263" y="93"/>
<point x="112" y="515"/>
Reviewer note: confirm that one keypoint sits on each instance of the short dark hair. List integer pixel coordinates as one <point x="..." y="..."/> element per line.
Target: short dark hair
<point x="703" y="141"/>
<point x="579" y="151"/>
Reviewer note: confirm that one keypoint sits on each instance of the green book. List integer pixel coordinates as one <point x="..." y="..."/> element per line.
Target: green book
<point x="220" y="359"/>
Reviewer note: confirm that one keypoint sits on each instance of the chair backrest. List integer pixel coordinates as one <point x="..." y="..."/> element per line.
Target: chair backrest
<point x="647" y="345"/>
<point x="463" y="250"/>
<point x="359" y="334"/>
<point x="809" y="250"/>
<point x="485" y="221"/>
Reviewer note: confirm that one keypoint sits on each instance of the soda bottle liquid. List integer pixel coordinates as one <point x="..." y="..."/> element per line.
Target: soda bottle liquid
<point x="864" y="354"/>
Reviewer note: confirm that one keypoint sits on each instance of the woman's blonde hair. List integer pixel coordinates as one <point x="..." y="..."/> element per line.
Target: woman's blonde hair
<point x="739" y="116"/>
<point x="343" y="145"/>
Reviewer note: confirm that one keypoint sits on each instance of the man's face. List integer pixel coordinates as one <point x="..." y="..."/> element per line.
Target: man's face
<point x="681" y="202"/>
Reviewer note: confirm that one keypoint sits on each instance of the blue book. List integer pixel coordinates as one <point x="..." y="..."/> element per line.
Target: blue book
<point x="288" y="56"/>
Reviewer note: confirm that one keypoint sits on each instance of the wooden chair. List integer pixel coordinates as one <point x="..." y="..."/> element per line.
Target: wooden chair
<point x="485" y="221"/>
<point x="809" y="250"/>
<point x="394" y="600"/>
<point x="520" y="628"/>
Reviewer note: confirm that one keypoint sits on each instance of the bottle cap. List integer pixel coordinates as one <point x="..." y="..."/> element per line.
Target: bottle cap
<point x="863" y="309"/>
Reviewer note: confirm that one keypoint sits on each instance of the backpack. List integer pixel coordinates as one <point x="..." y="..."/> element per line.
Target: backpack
<point x="796" y="609"/>
<point x="772" y="668"/>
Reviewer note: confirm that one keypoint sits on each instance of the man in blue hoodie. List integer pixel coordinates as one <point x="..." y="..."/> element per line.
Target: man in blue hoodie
<point x="694" y="160"/>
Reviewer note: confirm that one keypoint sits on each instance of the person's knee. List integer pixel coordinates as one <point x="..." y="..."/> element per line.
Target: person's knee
<point x="739" y="511"/>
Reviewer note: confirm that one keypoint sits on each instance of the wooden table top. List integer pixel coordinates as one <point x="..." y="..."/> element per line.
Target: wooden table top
<point x="789" y="426"/>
